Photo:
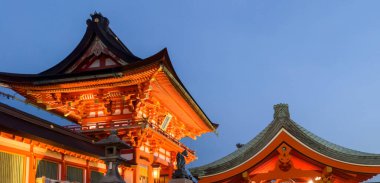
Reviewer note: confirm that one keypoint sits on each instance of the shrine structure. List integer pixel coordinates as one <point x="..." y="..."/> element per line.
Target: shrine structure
<point x="102" y="86"/>
<point x="285" y="152"/>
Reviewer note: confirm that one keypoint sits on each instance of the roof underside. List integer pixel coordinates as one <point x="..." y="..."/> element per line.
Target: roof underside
<point x="312" y="141"/>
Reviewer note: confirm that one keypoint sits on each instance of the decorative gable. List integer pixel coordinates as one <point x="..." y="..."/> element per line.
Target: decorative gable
<point x="98" y="41"/>
<point x="97" y="62"/>
<point x="97" y="56"/>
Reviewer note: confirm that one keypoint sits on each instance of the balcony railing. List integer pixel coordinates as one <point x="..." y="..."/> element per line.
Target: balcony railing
<point x="127" y="124"/>
<point x="105" y="126"/>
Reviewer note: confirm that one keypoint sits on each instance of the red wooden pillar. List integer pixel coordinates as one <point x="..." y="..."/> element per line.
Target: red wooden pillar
<point x="88" y="172"/>
<point x="150" y="174"/>
<point x="136" y="171"/>
<point x="63" y="167"/>
<point x="32" y="165"/>
<point x="171" y="170"/>
<point x="150" y="168"/>
<point x="172" y="167"/>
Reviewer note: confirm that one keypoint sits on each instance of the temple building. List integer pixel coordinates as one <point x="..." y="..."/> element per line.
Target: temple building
<point x="100" y="86"/>
<point x="285" y="152"/>
<point x="36" y="150"/>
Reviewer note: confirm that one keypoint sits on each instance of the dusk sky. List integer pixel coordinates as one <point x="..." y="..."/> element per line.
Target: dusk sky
<point x="237" y="59"/>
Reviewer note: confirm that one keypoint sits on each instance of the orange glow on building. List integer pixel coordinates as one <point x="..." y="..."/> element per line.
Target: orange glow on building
<point x="102" y="86"/>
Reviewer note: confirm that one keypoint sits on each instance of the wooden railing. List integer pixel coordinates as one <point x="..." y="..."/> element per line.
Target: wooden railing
<point x="162" y="132"/>
<point x="126" y="124"/>
<point x="103" y="126"/>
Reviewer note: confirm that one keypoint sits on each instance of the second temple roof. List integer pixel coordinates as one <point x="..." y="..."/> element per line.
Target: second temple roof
<point x="283" y="123"/>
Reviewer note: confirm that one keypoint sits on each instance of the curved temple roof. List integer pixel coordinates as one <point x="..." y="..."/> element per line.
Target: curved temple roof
<point x="97" y="26"/>
<point x="282" y="121"/>
<point x="127" y="63"/>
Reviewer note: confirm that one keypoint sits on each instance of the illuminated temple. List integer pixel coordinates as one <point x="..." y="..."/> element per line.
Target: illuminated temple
<point x="101" y="86"/>
<point x="285" y="152"/>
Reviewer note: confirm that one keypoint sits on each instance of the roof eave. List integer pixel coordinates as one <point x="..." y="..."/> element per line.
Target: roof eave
<point x="168" y="69"/>
<point x="8" y="79"/>
<point x="186" y="95"/>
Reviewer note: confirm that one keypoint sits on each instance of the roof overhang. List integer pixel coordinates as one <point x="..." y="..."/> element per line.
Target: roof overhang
<point x="283" y="136"/>
<point x="158" y="65"/>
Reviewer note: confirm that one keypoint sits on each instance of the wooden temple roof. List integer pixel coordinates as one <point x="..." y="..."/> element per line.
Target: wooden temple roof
<point x="79" y="72"/>
<point x="98" y="26"/>
<point x="19" y="123"/>
<point x="309" y="140"/>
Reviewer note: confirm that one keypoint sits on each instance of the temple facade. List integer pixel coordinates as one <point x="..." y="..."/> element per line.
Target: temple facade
<point x="285" y="152"/>
<point x="102" y="86"/>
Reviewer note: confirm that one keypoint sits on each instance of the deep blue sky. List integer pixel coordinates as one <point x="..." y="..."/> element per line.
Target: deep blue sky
<point x="237" y="59"/>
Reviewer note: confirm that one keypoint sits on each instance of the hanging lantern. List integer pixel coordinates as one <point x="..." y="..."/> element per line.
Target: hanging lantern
<point x="156" y="173"/>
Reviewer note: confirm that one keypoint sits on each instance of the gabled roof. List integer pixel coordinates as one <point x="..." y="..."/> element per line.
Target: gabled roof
<point x="97" y="27"/>
<point x="282" y="122"/>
